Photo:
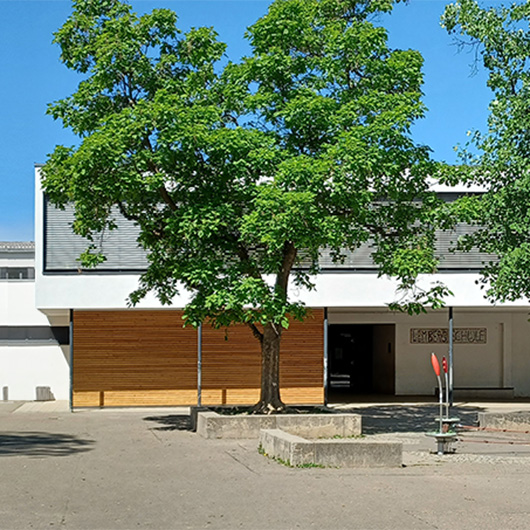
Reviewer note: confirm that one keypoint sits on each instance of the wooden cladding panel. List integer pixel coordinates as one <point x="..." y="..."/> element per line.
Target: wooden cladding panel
<point x="231" y="365"/>
<point x="302" y="360"/>
<point x="230" y="396"/>
<point x="128" y="358"/>
<point x="230" y="358"/>
<point x="146" y="358"/>
<point x="248" y="396"/>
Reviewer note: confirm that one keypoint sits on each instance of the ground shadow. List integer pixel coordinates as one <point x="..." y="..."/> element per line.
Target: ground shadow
<point x="375" y="419"/>
<point x="42" y="444"/>
<point x="172" y="422"/>
<point x="409" y="418"/>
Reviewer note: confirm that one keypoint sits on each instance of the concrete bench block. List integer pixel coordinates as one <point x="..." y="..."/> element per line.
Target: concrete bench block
<point x="284" y="446"/>
<point x="516" y="421"/>
<point x="320" y="425"/>
<point x="358" y="453"/>
<point x="213" y="425"/>
<point x="242" y="426"/>
<point x="297" y="451"/>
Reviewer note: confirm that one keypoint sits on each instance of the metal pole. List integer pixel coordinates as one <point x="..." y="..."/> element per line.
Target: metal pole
<point x="199" y="365"/>
<point x="325" y="356"/>
<point x="71" y="347"/>
<point x="451" y="356"/>
<point x="440" y="400"/>
<point x="446" y="395"/>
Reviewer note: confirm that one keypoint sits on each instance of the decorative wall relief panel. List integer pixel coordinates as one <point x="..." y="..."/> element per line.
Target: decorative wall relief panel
<point x="441" y="336"/>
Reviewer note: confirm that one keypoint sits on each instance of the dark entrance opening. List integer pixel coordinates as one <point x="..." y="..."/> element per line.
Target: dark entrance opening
<point x="361" y="359"/>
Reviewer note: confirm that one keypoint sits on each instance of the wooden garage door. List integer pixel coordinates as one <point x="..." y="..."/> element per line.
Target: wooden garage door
<point x="133" y="358"/>
<point x="231" y="366"/>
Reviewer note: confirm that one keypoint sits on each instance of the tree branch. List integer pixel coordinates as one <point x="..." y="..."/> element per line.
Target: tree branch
<point x="289" y="256"/>
<point x="126" y="214"/>
<point x="244" y="257"/>
<point x="162" y="189"/>
<point x="167" y="198"/>
<point x="256" y="332"/>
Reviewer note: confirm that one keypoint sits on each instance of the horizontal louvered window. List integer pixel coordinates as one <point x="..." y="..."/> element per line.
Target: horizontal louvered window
<point x="120" y="247"/>
<point x="17" y="273"/>
<point x="29" y="334"/>
<point x="63" y="247"/>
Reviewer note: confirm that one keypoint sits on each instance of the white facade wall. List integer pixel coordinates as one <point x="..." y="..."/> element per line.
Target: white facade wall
<point x="110" y="291"/>
<point x="502" y="363"/>
<point x="17" y="303"/>
<point x="24" y="366"/>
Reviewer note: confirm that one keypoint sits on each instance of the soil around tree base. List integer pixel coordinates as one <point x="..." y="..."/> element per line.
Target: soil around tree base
<point x="232" y="410"/>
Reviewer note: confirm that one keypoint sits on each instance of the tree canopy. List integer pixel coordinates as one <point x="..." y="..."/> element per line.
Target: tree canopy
<point x="239" y="173"/>
<point x="501" y="37"/>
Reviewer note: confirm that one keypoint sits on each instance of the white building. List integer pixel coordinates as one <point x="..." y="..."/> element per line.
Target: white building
<point x="142" y="356"/>
<point x="34" y="348"/>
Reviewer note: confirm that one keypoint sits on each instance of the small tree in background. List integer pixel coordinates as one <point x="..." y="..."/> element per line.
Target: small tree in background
<point x="501" y="38"/>
<point x="238" y="176"/>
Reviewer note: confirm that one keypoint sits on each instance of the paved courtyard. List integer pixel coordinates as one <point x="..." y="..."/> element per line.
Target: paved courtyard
<point x="121" y="469"/>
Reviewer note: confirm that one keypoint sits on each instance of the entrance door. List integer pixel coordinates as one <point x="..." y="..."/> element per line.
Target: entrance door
<point x="361" y="358"/>
<point x="384" y="358"/>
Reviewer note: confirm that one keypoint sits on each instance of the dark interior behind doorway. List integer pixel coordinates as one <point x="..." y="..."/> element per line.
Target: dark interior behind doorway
<point x="361" y="358"/>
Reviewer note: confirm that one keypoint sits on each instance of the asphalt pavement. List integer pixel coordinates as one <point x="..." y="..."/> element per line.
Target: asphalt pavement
<point x="144" y="468"/>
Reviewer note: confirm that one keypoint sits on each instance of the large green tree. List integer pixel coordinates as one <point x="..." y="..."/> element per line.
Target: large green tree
<point x="498" y="158"/>
<point x="239" y="174"/>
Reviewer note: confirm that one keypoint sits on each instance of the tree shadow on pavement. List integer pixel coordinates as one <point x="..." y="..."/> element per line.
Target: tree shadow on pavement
<point x="42" y="444"/>
<point x="409" y="418"/>
<point x="172" y="422"/>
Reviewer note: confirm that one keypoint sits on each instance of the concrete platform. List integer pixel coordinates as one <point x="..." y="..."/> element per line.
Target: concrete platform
<point x="7" y="407"/>
<point x="43" y="406"/>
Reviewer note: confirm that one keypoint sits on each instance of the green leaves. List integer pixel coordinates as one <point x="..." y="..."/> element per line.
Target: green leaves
<point x="415" y="299"/>
<point x="238" y="176"/>
<point x="502" y="40"/>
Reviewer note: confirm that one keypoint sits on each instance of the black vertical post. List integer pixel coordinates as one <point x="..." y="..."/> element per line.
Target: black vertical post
<point x="451" y="356"/>
<point x="71" y="346"/>
<point x="326" y="366"/>
<point x="199" y="365"/>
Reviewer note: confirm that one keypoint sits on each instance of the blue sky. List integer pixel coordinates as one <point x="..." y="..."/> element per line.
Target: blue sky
<point x="31" y="76"/>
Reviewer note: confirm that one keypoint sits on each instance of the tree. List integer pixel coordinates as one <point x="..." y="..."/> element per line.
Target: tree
<point x="501" y="38"/>
<point x="239" y="175"/>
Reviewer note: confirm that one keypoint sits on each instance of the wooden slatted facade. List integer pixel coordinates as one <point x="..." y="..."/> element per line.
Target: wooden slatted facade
<point x="128" y="358"/>
<point x="142" y="358"/>
<point x="302" y="361"/>
<point x="232" y="364"/>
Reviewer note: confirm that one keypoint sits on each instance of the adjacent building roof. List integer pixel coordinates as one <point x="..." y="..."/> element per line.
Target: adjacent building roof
<point x="17" y="246"/>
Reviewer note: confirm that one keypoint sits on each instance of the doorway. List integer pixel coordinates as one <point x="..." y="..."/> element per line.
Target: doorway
<point x="361" y="359"/>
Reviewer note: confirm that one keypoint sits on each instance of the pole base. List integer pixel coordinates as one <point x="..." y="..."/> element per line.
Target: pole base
<point x="448" y="424"/>
<point x="444" y="441"/>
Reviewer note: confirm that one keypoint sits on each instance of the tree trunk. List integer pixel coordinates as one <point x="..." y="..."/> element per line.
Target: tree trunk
<point x="270" y="401"/>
